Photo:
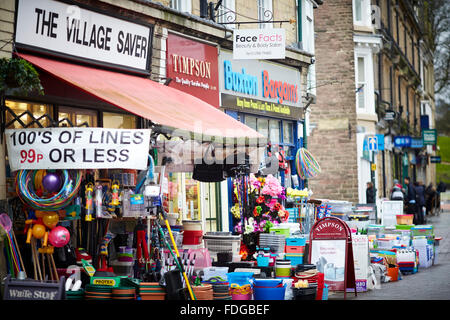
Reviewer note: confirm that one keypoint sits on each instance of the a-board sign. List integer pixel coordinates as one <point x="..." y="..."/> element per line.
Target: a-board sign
<point x="77" y="148"/>
<point x="332" y="252"/>
<point x="33" y="290"/>
<point x="360" y="243"/>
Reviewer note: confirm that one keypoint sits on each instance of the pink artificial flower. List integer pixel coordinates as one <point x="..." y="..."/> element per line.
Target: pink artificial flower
<point x="272" y="187"/>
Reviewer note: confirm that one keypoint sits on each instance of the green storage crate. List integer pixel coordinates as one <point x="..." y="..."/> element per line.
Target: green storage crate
<point x="404" y="226"/>
<point x="280" y="230"/>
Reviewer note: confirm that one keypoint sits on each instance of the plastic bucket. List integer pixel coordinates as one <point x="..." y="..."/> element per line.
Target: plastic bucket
<point x="192" y="237"/>
<point x="305" y="293"/>
<point x="393" y="273"/>
<point x="269" y="293"/>
<point x="247" y="296"/>
<point x="283" y="268"/>
<point x="240" y="278"/>
<point x="267" y="282"/>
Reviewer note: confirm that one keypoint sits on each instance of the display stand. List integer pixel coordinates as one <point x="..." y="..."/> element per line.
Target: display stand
<point x="332" y="253"/>
<point x="33" y="290"/>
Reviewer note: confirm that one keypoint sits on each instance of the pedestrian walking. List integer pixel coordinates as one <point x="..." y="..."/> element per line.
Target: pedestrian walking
<point x="397" y="191"/>
<point x="410" y="200"/>
<point x="370" y="193"/>
<point x="420" y="201"/>
<point x="430" y="199"/>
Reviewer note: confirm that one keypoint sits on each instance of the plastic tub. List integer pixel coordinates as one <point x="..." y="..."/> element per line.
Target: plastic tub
<point x="192" y="225"/>
<point x="192" y="237"/>
<point x="240" y="278"/>
<point x="269" y="293"/>
<point x="281" y="230"/>
<point x="211" y="272"/>
<point x="295" y="249"/>
<point x="305" y="293"/>
<point x="405" y="219"/>
<point x="295" y="241"/>
<point x="247" y="296"/>
<point x="262" y="261"/>
<point x="393" y="273"/>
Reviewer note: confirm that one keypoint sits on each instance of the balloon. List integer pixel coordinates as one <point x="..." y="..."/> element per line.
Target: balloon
<point x="50" y="219"/>
<point x="38" y="231"/>
<point x="39" y="214"/>
<point x="59" y="237"/>
<point x="51" y="182"/>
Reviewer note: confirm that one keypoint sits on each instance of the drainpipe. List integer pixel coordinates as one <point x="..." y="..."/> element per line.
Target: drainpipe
<point x="299" y="20"/>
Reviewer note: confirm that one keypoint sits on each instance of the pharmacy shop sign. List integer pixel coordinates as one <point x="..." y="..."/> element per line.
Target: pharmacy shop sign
<point x="259" y="44"/>
<point x="72" y="31"/>
<point x="77" y="148"/>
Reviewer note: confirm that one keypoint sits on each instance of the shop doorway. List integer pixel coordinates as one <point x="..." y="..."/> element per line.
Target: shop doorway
<point x="211" y="206"/>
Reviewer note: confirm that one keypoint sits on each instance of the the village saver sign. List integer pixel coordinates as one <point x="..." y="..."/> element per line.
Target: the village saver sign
<point x="259" y="43"/>
<point x="75" y="32"/>
<point x="77" y="148"/>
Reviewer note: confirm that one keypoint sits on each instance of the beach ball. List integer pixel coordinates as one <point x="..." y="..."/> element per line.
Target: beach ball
<point x="38" y="231"/>
<point x="51" y="182"/>
<point x="50" y="219"/>
<point x="59" y="237"/>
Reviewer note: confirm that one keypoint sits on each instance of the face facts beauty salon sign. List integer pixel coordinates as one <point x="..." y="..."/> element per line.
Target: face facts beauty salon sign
<point x="65" y="29"/>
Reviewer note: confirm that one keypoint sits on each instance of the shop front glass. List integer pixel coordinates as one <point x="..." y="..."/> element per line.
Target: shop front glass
<point x="280" y="133"/>
<point x="19" y="107"/>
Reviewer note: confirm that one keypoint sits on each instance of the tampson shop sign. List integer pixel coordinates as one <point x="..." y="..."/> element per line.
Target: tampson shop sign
<point x="65" y="29"/>
<point x="259" y="87"/>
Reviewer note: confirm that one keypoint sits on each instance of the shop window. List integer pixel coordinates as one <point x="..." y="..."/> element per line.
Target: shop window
<point x="118" y="120"/>
<point x="274" y="131"/>
<point x="19" y="108"/>
<point x="262" y="126"/>
<point x="288" y="132"/>
<point x="184" y="196"/>
<point x="265" y="12"/>
<point x="182" y="5"/>
<point x="78" y="117"/>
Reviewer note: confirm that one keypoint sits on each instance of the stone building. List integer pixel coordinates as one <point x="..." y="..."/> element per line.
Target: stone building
<point x="176" y="27"/>
<point x="372" y="61"/>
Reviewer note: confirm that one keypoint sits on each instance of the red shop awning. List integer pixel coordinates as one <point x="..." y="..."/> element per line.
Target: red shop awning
<point x="175" y="111"/>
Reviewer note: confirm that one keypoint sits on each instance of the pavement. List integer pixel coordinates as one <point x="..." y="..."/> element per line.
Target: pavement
<point x="431" y="283"/>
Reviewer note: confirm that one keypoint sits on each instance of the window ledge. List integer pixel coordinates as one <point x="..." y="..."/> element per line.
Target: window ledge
<point x="363" y="28"/>
<point x="362" y="115"/>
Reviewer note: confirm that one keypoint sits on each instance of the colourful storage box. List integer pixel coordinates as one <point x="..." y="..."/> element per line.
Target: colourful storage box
<point x="295" y="249"/>
<point x="422" y="230"/>
<point x="404" y="226"/>
<point x="279" y="230"/>
<point x="295" y="241"/>
<point x="296" y="259"/>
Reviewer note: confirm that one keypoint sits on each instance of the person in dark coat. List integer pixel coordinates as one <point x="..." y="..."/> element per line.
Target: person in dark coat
<point x="370" y="193"/>
<point x="430" y="199"/>
<point x="420" y="200"/>
<point x="410" y="199"/>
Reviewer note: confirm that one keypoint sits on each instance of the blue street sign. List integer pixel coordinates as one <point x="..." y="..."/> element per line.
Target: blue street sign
<point x="372" y="143"/>
<point x="416" y="143"/>
<point x="402" y="141"/>
<point x="380" y="138"/>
